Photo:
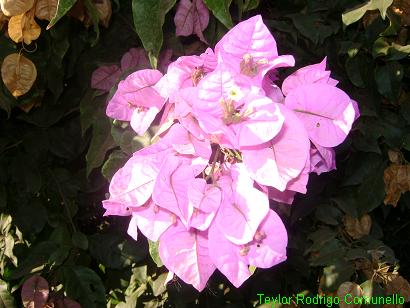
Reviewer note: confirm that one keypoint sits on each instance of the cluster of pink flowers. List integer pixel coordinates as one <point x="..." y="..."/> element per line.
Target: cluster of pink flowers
<point x="229" y="140"/>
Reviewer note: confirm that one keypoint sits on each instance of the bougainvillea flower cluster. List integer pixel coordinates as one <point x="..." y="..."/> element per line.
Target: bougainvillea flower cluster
<point x="229" y="140"/>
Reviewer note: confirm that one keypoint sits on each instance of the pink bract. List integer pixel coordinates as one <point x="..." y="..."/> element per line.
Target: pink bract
<point x="231" y="139"/>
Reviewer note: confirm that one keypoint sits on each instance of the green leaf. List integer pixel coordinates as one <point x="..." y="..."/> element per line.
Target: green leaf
<point x="356" y="13"/>
<point x="154" y="253"/>
<point x="388" y="78"/>
<point x="328" y="214"/>
<point x="6" y="299"/>
<point x="84" y="285"/>
<point x="114" y="252"/>
<point x="36" y="259"/>
<point x="114" y="162"/>
<point x="370" y="193"/>
<point x="149" y="17"/>
<point x="158" y="285"/>
<point x="95" y="17"/>
<point x="3" y="196"/>
<point x="80" y="240"/>
<point x="337" y="273"/>
<point x="220" y="8"/>
<point x="101" y="142"/>
<point x="63" y="7"/>
<point x="250" y="5"/>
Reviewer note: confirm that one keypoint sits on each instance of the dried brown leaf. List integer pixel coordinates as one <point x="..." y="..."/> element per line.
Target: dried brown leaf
<point x="396" y="182"/>
<point x="104" y="9"/>
<point x="402" y="8"/>
<point x="349" y="288"/>
<point x="357" y="228"/>
<point x="3" y="19"/>
<point x="24" y="28"/>
<point x="18" y="74"/>
<point x="395" y="156"/>
<point x="46" y="9"/>
<point x="15" y="7"/>
<point x="399" y="286"/>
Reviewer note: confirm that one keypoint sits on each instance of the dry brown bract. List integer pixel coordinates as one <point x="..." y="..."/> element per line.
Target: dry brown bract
<point x="18" y="74"/>
<point x="104" y="11"/>
<point x="357" y="228"/>
<point x="396" y="182"/>
<point x="349" y="288"/>
<point x="24" y="28"/>
<point x="46" y="9"/>
<point x="15" y="7"/>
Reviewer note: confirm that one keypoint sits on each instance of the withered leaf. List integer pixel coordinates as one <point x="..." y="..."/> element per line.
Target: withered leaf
<point x="396" y="182"/>
<point x="357" y="228"/>
<point x="18" y="74"/>
<point x="46" y="9"/>
<point x="15" y="7"/>
<point x="402" y="9"/>
<point x="400" y="286"/>
<point x="23" y="27"/>
<point x="104" y="9"/>
<point x="349" y="288"/>
<point x="3" y="19"/>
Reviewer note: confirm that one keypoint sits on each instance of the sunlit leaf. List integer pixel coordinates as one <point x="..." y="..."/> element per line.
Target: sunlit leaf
<point x="220" y="8"/>
<point x="149" y="16"/>
<point x="63" y="7"/>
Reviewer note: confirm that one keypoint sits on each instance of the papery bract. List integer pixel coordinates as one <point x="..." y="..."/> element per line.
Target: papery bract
<point x="151" y="220"/>
<point x="281" y="159"/>
<point x="250" y="37"/>
<point x="104" y="77"/>
<point x="191" y="17"/>
<point x="186" y="253"/>
<point x="326" y="112"/>
<point x="262" y="124"/>
<point x="310" y="74"/>
<point x="171" y="189"/>
<point x="136" y="91"/>
<point x="227" y="257"/>
<point x="243" y="207"/>
<point x="269" y="245"/>
<point x="229" y="140"/>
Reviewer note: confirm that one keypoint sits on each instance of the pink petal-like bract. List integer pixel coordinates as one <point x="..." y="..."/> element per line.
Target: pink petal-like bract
<point x="171" y="187"/>
<point x="326" y="112"/>
<point x="262" y="124"/>
<point x="310" y="74"/>
<point x="105" y="77"/>
<point x="270" y="241"/>
<point x="142" y="119"/>
<point x="135" y="58"/>
<point x="136" y="91"/>
<point x="186" y="253"/>
<point x="191" y="17"/>
<point x="250" y="37"/>
<point x="151" y="220"/>
<point x="242" y="209"/>
<point x="281" y="159"/>
<point x="227" y="257"/>
<point x="133" y="184"/>
<point x="228" y="141"/>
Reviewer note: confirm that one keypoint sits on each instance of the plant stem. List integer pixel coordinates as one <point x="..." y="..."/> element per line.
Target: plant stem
<point x="216" y="157"/>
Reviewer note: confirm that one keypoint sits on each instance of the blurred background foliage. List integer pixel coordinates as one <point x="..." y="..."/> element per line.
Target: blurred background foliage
<point x="58" y="150"/>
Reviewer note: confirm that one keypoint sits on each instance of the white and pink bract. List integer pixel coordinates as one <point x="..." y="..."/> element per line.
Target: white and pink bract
<point x="230" y="140"/>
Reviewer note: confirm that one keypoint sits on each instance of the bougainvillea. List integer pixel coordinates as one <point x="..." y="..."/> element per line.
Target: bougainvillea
<point x="230" y="139"/>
